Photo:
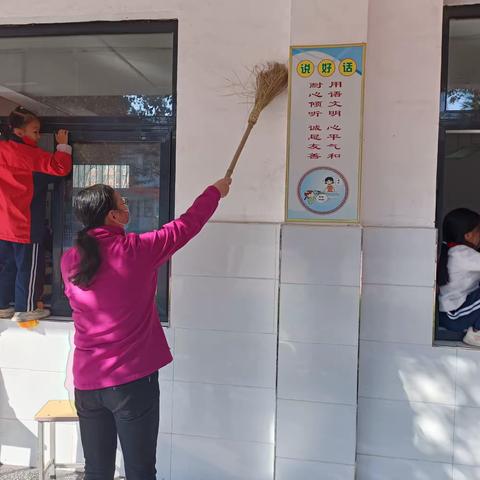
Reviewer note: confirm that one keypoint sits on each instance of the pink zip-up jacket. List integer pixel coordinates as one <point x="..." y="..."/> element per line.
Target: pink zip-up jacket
<point x="118" y="336"/>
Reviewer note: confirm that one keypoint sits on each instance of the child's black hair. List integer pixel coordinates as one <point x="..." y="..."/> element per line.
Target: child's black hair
<point x="329" y="178"/>
<point x="19" y="118"/>
<point x="456" y="225"/>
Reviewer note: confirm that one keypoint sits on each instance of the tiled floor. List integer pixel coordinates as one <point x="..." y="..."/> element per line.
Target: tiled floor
<point x="8" y="472"/>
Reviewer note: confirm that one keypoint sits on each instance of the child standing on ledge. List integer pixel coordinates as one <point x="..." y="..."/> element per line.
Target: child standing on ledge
<point x="20" y="223"/>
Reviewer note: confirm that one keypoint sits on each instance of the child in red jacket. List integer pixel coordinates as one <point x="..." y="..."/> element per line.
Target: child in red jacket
<point x="20" y="250"/>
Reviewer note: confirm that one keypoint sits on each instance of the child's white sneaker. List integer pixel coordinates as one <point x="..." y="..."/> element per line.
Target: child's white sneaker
<point x="7" y="312"/>
<point x="36" y="314"/>
<point x="472" y="337"/>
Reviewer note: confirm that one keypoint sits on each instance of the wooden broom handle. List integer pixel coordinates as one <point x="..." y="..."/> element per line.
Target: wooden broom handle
<point x="235" y="158"/>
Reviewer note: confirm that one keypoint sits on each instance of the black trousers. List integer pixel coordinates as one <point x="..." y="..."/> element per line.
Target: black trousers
<point x="131" y="411"/>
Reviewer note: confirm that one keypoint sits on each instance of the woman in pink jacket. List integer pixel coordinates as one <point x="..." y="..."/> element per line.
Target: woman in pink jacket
<point x="111" y="280"/>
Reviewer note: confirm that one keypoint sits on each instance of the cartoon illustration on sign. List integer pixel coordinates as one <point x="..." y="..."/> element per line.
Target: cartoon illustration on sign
<point x="329" y="182"/>
<point x="323" y="190"/>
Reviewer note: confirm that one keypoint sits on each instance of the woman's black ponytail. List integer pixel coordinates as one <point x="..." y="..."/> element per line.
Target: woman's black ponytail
<point x="456" y="225"/>
<point x="89" y="258"/>
<point x="91" y="205"/>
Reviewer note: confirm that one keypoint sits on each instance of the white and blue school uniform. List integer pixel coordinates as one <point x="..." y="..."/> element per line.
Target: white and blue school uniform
<point x="459" y="299"/>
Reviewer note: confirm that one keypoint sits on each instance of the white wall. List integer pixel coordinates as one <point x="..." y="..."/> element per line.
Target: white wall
<point x="319" y="306"/>
<point x="228" y="410"/>
<point x="417" y="412"/>
<point x="318" y="351"/>
<point x="218" y="401"/>
<point x="218" y="42"/>
<point x="32" y="370"/>
<point x="401" y="112"/>
<point x="224" y="314"/>
<point x="323" y="23"/>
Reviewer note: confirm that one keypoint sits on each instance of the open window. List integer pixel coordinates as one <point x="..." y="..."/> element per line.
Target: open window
<point x="112" y="85"/>
<point x="459" y="136"/>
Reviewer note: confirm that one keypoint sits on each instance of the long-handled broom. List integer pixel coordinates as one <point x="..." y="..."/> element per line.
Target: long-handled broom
<point x="271" y="79"/>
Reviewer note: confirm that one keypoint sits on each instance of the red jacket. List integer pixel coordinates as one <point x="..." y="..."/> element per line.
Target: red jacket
<point x="18" y="162"/>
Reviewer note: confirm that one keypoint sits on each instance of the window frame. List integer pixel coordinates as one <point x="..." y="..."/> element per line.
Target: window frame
<point x="127" y="126"/>
<point x="450" y="122"/>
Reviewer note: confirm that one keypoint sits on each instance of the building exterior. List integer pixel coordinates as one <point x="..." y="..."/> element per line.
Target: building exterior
<point x="301" y="351"/>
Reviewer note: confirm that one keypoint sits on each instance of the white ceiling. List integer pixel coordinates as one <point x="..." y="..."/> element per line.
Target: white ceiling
<point x="87" y="65"/>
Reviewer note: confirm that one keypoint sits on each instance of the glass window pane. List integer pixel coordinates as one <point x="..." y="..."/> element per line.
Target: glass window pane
<point x="463" y="90"/>
<point x="133" y="169"/>
<point x="461" y="171"/>
<point x="459" y="168"/>
<point x="88" y="75"/>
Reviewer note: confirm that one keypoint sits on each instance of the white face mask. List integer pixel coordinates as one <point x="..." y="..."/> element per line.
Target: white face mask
<point x="122" y="224"/>
<point x="123" y="210"/>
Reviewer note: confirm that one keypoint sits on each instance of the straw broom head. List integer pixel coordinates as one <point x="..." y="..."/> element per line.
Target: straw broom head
<point x="271" y="80"/>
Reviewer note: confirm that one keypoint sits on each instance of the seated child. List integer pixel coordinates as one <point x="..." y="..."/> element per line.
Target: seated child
<point x="459" y="275"/>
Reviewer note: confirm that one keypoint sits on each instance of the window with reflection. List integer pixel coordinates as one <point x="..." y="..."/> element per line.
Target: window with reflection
<point x="89" y="75"/>
<point x="113" y="86"/>
<point x="459" y="130"/>
<point x="131" y="168"/>
<point x="463" y="67"/>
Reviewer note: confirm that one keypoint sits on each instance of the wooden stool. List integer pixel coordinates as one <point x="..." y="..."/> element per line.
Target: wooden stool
<point x="53" y="411"/>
